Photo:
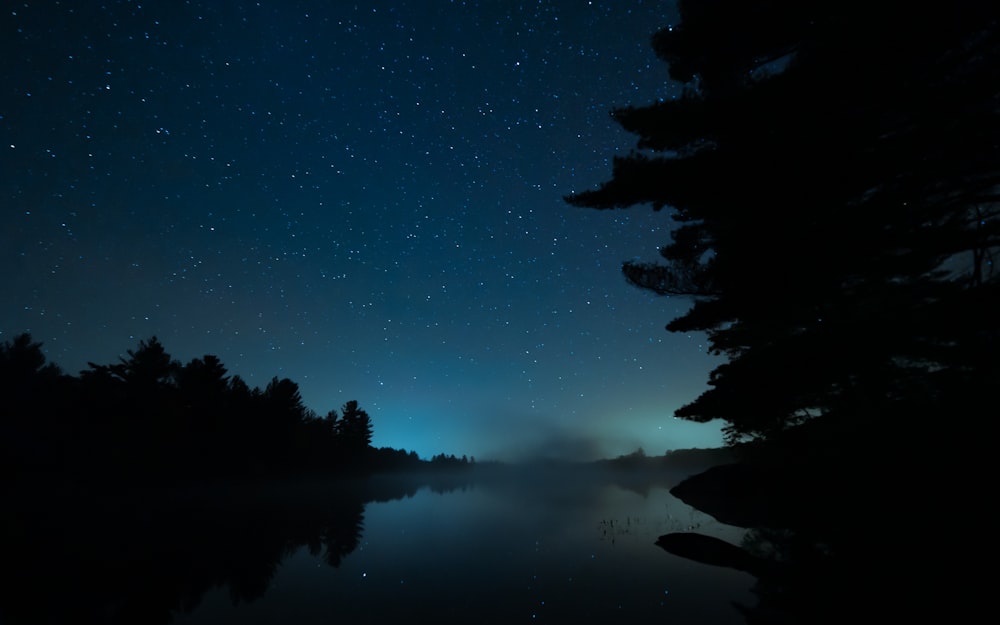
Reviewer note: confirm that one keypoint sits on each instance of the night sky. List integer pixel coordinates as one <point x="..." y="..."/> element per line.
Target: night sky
<point x="364" y="197"/>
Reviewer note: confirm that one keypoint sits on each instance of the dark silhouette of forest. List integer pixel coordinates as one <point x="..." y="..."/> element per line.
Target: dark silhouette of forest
<point x="149" y="418"/>
<point x="136" y="487"/>
<point x="832" y="170"/>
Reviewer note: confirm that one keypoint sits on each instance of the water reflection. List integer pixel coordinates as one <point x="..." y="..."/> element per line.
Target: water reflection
<point x="500" y="550"/>
<point x="144" y="555"/>
<point x="547" y="547"/>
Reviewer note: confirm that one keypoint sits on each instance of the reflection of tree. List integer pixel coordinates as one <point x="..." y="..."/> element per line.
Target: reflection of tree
<point x="803" y="584"/>
<point x="796" y="579"/>
<point x="339" y="540"/>
<point x="145" y="554"/>
<point x="133" y="558"/>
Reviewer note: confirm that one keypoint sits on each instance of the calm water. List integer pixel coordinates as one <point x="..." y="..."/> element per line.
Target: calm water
<point x="555" y="549"/>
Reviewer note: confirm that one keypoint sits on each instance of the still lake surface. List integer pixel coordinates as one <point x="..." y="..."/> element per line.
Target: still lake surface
<point x="524" y="547"/>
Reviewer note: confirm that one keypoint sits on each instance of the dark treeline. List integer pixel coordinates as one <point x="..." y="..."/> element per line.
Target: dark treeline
<point x="677" y="460"/>
<point x="149" y="417"/>
<point x="135" y="488"/>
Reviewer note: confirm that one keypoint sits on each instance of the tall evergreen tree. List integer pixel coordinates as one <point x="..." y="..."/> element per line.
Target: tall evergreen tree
<point x="148" y="367"/>
<point x="355" y="427"/>
<point x="832" y="168"/>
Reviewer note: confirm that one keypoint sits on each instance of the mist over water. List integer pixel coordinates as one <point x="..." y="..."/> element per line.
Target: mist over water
<point x="559" y="543"/>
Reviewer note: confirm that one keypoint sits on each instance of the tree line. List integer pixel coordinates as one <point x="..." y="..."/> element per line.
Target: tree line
<point x="148" y="416"/>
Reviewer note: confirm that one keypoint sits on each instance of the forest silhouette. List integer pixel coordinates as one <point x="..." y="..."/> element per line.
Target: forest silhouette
<point x="132" y="490"/>
<point x="833" y="173"/>
<point x="149" y="418"/>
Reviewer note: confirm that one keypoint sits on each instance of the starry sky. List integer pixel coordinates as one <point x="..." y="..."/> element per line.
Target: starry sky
<point x="364" y="197"/>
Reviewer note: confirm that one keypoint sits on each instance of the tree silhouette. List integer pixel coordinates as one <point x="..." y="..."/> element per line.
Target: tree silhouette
<point x="25" y="376"/>
<point x="203" y="379"/>
<point x="147" y="367"/>
<point x="331" y="424"/>
<point x="23" y="358"/>
<point x="35" y="406"/>
<point x="355" y="428"/>
<point x="204" y="417"/>
<point x="284" y="401"/>
<point x="833" y="170"/>
<point x="147" y="417"/>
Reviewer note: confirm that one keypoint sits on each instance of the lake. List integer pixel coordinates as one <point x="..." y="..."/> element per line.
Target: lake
<point x="517" y="547"/>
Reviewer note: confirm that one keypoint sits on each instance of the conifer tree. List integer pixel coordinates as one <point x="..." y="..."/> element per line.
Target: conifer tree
<point x="833" y="171"/>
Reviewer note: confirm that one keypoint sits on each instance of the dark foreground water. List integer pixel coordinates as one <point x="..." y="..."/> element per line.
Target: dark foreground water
<point x="524" y="546"/>
<point x="530" y="550"/>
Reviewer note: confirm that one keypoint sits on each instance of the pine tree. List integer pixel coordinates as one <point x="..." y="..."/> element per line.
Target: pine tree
<point x="355" y="427"/>
<point x="833" y="170"/>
